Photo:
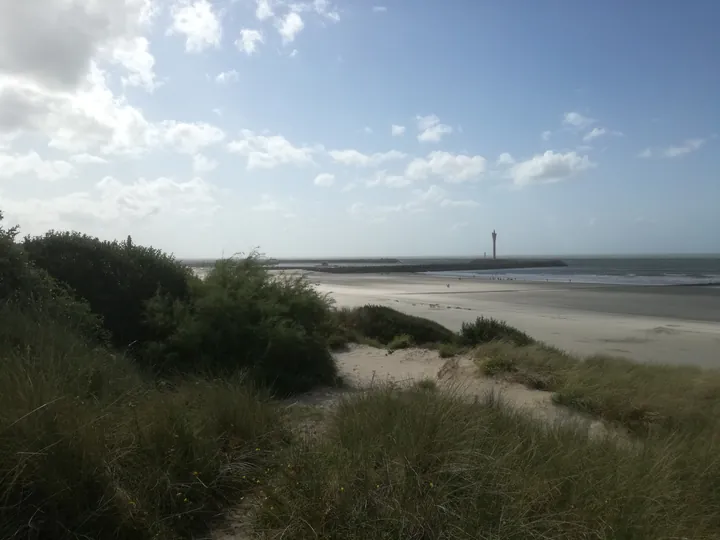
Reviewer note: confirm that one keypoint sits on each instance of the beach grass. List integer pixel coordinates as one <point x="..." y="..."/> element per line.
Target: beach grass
<point x="640" y="397"/>
<point x="90" y="447"/>
<point x="422" y="464"/>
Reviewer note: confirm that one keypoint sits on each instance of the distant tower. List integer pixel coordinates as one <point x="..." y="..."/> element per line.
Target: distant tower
<point x="494" y="235"/>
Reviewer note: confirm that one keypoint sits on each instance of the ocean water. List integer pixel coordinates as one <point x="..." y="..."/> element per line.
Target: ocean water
<point x="646" y="270"/>
<point x="688" y="270"/>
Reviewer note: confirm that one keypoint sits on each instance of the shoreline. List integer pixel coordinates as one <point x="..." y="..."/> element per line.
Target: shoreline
<point x="676" y="325"/>
<point x="403" y="268"/>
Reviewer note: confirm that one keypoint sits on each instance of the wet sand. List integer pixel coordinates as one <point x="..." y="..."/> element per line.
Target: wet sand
<point x="670" y="325"/>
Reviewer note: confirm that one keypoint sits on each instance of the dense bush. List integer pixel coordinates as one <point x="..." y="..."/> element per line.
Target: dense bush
<point x="241" y="317"/>
<point x="117" y="279"/>
<point x="383" y="324"/>
<point x="486" y="329"/>
<point x="400" y="342"/>
<point x="36" y="294"/>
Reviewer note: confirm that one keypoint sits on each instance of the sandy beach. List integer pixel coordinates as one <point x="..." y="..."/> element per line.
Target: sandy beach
<point x="669" y="325"/>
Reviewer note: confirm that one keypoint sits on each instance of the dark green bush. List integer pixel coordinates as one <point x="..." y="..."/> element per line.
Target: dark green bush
<point x="240" y="317"/>
<point x="383" y="324"/>
<point x="486" y="329"/>
<point x="400" y="342"/>
<point x="448" y="350"/>
<point x="117" y="279"/>
<point x="37" y="295"/>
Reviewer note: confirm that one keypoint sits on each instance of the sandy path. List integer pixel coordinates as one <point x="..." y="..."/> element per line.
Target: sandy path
<point x="543" y="312"/>
<point x="365" y="367"/>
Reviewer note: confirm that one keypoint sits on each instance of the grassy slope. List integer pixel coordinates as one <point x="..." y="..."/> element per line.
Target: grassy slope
<point x="641" y="397"/>
<point x="420" y="464"/>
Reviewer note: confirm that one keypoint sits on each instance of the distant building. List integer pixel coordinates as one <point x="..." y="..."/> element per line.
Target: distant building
<point x="494" y="237"/>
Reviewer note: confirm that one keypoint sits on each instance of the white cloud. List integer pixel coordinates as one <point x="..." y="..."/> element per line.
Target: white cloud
<point x="267" y="152"/>
<point x="594" y="134"/>
<point x="112" y="202"/>
<point x="31" y="164"/>
<point x="249" y="40"/>
<point x="390" y="180"/>
<point x="368" y="130"/>
<point x="190" y="138"/>
<point x="226" y="76"/>
<point x="577" y="120"/>
<point x="198" y="22"/>
<point x="52" y="42"/>
<point x="465" y="203"/>
<point x="324" y="180"/>
<point x="87" y="159"/>
<point x="397" y="131"/>
<point x="450" y="167"/>
<point x="356" y="158"/>
<point x="134" y="55"/>
<point x="430" y="129"/>
<point x="264" y="10"/>
<point x="270" y="204"/>
<point x="548" y="168"/>
<point x="379" y="9"/>
<point x="290" y="27"/>
<point x="545" y="135"/>
<point x="505" y="159"/>
<point x="600" y="132"/>
<point x="324" y="8"/>
<point x="203" y="164"/>
<point x="431" y="194"/>
<point x="647" y="153"/>
<point x="690" y="145"/>
<point x="418" y="202"/>
<point x="51" y="84"/>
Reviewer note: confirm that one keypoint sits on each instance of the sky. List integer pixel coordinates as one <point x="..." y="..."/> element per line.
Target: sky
<point x="354" y="128"/>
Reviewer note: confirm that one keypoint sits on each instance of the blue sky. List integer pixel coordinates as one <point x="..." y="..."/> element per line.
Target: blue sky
<point x="318" y="128"/>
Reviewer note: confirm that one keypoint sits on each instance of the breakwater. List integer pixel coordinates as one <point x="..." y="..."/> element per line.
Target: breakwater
<point x="475" y="265"/>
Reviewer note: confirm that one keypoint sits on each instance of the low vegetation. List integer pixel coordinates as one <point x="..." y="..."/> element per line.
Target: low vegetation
<point x="486" y="330"/>
<point x="383" y="324"/>
<point x="420" y="464"/>
<point x="400" y="342"/>
<point x="641" y="397"/>
<point x="138" y="402"/>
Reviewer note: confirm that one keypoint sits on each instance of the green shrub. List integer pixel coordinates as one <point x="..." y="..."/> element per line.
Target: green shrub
<point x="37" y="295"/>
<point x="117" y="279"/>
<point x="277" y="328"/>
<point x="448" y="350"/>
<point x="403" y="341"/>
<point x="486" y="329"/>
<point x="429" y="385"/>
<point x="383" y="324"/>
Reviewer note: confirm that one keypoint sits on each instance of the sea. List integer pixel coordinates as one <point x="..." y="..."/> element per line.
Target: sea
<point x="607" y="270"/>
<point x="641" y="271"/>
